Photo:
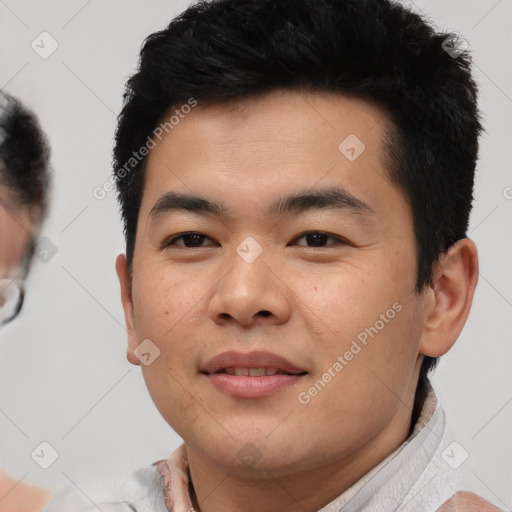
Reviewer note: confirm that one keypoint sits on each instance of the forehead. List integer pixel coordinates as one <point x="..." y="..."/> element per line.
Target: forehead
<point x="252" y="148"/>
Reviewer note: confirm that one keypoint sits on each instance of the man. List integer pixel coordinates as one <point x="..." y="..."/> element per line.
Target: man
<point x="24" y="183"/>
<point x="295" y="179"/>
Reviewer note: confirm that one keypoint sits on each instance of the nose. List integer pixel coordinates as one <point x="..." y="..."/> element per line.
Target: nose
<point x="250" y="293"/>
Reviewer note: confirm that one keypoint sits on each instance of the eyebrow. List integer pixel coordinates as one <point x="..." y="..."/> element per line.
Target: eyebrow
<point x="330" y="198"/>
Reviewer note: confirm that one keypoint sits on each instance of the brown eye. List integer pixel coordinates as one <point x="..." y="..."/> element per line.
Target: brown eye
<point x="190" y="240"/>
<point x="319" y="238"/>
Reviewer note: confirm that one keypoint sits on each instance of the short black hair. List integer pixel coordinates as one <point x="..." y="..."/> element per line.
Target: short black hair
<point x="24" y="153"/>
<point x="24" y="161"/>
<point x="373" y="49"/>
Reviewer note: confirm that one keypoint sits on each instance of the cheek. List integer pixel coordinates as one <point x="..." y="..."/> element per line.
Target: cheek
<point x="163" y="310"/>
<point x="369" y="317"/>
<point x="168" y="308"/>
<point x="349" y="300"/>
<point x="170" y="393"/>
<point x="161" y="300"/>
<point x="377" y="358"/>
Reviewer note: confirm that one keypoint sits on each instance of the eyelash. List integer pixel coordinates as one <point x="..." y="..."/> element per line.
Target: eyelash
<point x="170" y="242"/>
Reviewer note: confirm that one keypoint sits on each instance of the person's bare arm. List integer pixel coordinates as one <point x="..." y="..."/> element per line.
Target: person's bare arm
<point x="465" y="501"/>
<point x="17" y="496"/>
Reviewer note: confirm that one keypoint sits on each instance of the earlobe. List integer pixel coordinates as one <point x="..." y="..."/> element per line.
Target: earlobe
<point x="452" y="290"/>
<point x="126" y="299"/>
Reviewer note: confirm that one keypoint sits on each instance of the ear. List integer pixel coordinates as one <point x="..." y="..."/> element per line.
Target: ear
<point x="450" y="298"/>
<point x="126" y="298"/>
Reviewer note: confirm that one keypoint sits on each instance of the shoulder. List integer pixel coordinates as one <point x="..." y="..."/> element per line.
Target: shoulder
<point x="21" y="496"/>
<point x="141" y="489"/>
<point x="465" y="501"/>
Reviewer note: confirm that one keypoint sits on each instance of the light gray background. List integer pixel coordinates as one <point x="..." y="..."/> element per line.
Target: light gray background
<point x="64" y="377"/>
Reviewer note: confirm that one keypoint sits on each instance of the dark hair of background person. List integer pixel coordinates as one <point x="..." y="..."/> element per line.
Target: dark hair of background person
<point x="376" y="50"/>
<point x="24" y="162"/>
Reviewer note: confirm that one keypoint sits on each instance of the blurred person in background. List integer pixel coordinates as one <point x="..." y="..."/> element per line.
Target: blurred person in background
<point x="24" y="185"/>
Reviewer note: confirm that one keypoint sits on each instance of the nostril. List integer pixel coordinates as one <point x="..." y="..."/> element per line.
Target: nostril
<point x="264" y="313"/>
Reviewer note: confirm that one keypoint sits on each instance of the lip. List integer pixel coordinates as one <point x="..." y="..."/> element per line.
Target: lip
<point x="254" y="359"/>
<point x="251" y="387"/>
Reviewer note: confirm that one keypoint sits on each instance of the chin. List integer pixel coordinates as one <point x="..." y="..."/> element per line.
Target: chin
<point x="265" y="468"/>
<point x="254" y="457"/>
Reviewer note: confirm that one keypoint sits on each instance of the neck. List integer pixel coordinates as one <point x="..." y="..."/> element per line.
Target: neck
<point x="218" y="488"/>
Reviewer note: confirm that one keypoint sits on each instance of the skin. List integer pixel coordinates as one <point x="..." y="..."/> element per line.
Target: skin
<point x="17" y="496"/>
<point x="16" y="231"/>
<point x="467" y="501"/>
<point x="198" y="301"/>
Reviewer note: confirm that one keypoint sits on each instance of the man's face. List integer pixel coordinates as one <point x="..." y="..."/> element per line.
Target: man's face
<point x="16" y="231"/>
<point x="253" y="281"/>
